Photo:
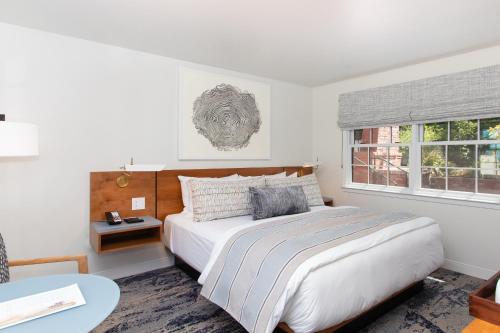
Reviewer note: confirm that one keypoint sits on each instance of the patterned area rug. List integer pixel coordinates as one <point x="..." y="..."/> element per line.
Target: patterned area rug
<point x="166" y="300"/>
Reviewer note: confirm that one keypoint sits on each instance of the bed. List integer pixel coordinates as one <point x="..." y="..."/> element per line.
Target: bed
<point x="328" y="290"/>
<point x="320" y="301"/>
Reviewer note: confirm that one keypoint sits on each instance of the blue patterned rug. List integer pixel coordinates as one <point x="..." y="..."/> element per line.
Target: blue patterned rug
<point x="166" y="300"/>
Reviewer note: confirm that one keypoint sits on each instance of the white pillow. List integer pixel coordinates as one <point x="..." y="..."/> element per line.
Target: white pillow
<point x="186" y="191"/>
<point x="309" y="183"/>
<point x="293" y="175"/>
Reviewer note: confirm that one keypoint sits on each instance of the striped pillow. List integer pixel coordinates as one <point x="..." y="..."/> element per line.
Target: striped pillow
<point x="309" y="183"/>
<point x="186" y="193"/>
<point x="212" y="200"/>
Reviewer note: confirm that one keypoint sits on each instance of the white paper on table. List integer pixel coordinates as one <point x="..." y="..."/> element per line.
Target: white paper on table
<point x="20" y="310"/>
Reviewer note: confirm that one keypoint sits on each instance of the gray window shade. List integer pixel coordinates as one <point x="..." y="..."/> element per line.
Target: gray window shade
<point x="470" y="94"/>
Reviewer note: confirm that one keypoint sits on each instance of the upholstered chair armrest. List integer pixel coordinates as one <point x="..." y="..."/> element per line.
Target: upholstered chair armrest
<point x="81" y="260"/>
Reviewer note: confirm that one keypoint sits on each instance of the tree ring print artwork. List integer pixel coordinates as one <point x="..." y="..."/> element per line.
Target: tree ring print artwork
<point x="226" y="116"/>
<point x="223" y="117"/>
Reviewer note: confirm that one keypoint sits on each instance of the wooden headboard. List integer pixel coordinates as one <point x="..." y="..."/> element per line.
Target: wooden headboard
<point x="168" y="187"/>
<point x="162" y="189"/>
<point x="106" y="196"/>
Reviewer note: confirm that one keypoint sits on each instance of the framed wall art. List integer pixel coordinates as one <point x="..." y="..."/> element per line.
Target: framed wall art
<point x="223" y="117"/>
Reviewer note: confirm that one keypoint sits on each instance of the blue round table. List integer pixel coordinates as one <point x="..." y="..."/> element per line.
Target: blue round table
<point x="101" y="297"/>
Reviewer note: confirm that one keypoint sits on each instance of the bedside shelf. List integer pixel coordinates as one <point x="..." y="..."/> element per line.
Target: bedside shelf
<point x="106" y="238"/>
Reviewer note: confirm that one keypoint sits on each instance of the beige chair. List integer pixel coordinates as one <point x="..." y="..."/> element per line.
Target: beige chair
<point x="4" y="263"/>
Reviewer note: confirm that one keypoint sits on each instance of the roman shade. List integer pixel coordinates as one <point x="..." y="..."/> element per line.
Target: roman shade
<point x="470" y="94"/>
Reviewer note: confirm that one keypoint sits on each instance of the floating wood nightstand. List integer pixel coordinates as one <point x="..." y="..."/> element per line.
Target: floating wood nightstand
<point x="106" y="196"/>
<point x="106" y="238"/>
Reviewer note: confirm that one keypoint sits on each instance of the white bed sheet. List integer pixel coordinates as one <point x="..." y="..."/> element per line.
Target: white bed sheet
<point x="324" y="292"/>
<point x="194" y="241"/>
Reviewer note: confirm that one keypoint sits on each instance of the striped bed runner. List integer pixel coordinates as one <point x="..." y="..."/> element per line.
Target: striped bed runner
<point x="255" y="265"/>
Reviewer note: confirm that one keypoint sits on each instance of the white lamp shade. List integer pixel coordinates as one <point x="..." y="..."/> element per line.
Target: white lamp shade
<point x="144" y="167"/>
<point x="18" y="139"/>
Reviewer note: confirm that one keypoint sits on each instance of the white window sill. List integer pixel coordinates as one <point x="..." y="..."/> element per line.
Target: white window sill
<point x="436" y="196"/>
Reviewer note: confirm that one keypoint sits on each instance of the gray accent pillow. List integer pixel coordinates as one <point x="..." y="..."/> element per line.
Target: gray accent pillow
<point x="276" y="201"/>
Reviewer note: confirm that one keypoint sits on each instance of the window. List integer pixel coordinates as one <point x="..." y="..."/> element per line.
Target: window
<point x="460" y="156"/>
<point x="380" y="156"/>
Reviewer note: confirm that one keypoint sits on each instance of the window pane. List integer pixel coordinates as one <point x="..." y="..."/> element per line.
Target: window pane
<point x="360" y="156"/>
<point x="378" y="156"/>
<point x="463" y="130"/>
<point x="462" y="180"/>
<point x="490" y="129"/>
<point x="489" y="156"/>
<point x="381" y="135"/>
<point x="378" y="175"/>
<point x="360" y="174"/>
<point x="462" y="156"/>
<point x="362" y="136"/>
<point x="399" y="156"/>
<point x="398" y="176"/>
<point x="433" y="156"/>
<point x="434" y="178"/>
<point x="436" y="132"/>
<point x="489" y="181"/>
<point x="401" y="134"/>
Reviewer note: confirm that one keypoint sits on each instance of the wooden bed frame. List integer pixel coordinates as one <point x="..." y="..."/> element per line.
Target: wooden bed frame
<point x="347" y="326"/>
<point x="365" y="318"/>
<point x="163" y="197"/>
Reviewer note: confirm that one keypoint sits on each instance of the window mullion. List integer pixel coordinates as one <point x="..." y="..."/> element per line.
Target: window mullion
<point x="388" y="166"/>
<point x="478" y="138"/>
<point x="414" y="165"/>
<point x="347" y="156"/>
<point x="446" y="167"/>
<point x="369" y="168"/>
<point x="476" y="172"/>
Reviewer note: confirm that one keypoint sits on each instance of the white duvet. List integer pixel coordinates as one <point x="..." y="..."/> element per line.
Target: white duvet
<point x="341" y="283"/>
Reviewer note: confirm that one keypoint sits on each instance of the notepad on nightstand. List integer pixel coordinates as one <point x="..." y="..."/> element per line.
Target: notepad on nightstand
<point x="26" y="308"/>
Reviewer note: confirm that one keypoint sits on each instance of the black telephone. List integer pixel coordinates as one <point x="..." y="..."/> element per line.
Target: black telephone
<point x="113" y="218"/>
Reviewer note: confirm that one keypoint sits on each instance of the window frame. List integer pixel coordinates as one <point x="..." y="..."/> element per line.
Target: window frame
<point x="369" y="166"/>
<point x="414" y="189"/>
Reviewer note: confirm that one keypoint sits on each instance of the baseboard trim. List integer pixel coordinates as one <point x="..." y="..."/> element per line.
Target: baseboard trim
<point x="472" y="270"/>
<point x="137" y="268"/>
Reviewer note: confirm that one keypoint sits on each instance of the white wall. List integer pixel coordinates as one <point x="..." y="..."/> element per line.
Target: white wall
<point x="96" y="106"/>
<point x="470" y="234"/>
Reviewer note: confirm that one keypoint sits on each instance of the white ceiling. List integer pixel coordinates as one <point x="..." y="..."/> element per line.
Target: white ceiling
<point x="310" y="42"/>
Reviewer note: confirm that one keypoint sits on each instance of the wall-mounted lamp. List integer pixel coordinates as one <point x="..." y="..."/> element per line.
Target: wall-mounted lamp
<point x="313" y="165"/>
<point x="143" y="167"/>
<point x="18" y="139"/>
<point x="123" y="179"/>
